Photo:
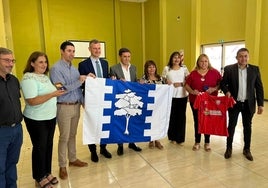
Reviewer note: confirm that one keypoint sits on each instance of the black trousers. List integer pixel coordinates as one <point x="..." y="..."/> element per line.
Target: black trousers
<point x="177" y="122"/>
<point x="42" y="134"/>
<point x="247" y="116"/>
<point x="196" y="134"/>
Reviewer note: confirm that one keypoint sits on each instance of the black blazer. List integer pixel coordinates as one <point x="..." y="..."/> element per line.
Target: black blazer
<point x="254" y="84"/>
<point x="85" y="67"/>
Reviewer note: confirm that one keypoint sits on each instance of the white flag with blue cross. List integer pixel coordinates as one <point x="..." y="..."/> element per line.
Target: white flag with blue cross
<point x="125" y="112"/>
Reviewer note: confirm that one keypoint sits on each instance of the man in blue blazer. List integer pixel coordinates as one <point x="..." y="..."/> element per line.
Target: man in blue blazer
<point x="95" y="67"/>
<point x="243" y="82"/>
<point x="126" y="72"/>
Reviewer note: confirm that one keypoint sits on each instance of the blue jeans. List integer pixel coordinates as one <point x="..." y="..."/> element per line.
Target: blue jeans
<point x="10" y="144"/>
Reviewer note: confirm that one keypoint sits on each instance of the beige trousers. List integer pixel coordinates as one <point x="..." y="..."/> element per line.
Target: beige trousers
<point x="67" y="118"/>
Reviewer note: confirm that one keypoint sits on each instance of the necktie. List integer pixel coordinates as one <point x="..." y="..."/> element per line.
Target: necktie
<point x="98" y="69"/>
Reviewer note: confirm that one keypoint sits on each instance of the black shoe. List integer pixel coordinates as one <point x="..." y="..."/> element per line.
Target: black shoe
<point x="228" y="153"/>
<point x="134" y="147"/>
<point x="120" y="150"/>
<point x="105" y="153"/>
<point x="94" y="156"/>
<point x="247" y="154"/>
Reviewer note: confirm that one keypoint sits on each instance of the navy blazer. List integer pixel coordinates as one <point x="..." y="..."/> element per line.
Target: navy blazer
<point x="254" y="84"/>
<point x="117" y="71"/>
<point x="85" y="67"/>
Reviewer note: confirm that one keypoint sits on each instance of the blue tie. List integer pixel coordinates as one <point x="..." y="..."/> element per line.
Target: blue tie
<point x="98" y="69"/>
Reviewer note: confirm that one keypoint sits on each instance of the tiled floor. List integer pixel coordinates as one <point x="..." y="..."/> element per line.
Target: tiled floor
<point x="174" y="166"/>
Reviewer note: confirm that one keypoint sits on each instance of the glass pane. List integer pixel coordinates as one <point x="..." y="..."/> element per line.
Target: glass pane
<point x="214" y="52"/>
<point x="230" y="51"/>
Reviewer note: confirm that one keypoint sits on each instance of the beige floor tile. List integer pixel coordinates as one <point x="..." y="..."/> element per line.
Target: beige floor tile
<point x="174" y="166"/>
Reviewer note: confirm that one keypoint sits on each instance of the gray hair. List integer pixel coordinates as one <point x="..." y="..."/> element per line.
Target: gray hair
<point x="5" y="51"/>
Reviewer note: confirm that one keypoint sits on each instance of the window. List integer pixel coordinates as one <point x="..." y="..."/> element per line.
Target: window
<point x="223" y="54"/>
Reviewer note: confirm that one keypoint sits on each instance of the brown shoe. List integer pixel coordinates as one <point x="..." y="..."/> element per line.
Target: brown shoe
<point x="78" y="163"/>
<point x="228" y="153"/>
<point x="63" y="173"/>
<point x="151" y="145"/>
<point x="158" y="145"/>
<point x="247" y="154"/>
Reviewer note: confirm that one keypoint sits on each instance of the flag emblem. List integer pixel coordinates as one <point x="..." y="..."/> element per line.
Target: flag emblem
<point x="125" y="112"/>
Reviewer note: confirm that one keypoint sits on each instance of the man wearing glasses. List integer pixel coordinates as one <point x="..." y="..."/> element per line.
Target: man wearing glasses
<point x="10" y="120"/>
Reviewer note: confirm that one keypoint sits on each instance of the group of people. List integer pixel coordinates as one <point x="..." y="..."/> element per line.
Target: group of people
<point x="242" y="81"/>
<point x="57" y="97"/>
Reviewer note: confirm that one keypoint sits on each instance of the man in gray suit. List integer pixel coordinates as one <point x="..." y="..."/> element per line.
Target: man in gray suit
<point x="243" y="82"/>
<point x="126" y="72"/>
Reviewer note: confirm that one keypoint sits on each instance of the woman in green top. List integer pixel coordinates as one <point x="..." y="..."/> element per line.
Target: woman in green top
<point x="40" y="116"/>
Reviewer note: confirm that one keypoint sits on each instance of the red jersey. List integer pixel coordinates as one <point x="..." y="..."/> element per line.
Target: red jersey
<point x="212" y="113"/>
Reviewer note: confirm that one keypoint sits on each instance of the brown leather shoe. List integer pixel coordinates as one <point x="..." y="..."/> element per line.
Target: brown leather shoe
<point x="78" y="163"/>
<point x="158" y="145"/>
<point x="63" y="173"/>
<point x="228" y="153"/>
<point x="247" y="154"/>
<point x="151" y="144"/>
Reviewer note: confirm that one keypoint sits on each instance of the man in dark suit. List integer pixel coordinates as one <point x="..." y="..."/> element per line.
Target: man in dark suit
<point x="95" y="67"/>
<point x="243" y="82"/>
<point x="126" y="72"/>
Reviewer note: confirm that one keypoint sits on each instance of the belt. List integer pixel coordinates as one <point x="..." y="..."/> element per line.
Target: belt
<point x="242" y="101"/>
<point x="68" y="103"/>
<point x="12" y="125"/>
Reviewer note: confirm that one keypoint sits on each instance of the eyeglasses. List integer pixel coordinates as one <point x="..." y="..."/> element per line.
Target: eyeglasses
<point x="9" y="60"/>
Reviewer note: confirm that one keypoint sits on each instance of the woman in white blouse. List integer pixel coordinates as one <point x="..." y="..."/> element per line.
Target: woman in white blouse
<point x="175" y="74"/>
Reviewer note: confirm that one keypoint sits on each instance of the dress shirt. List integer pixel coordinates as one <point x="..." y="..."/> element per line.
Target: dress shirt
<point x="126" y="72"/>
<point x="93" y="60"/>
<point x="68" y="75"/>
<point x="242" y="84"/>
<point x="10" y="108"/>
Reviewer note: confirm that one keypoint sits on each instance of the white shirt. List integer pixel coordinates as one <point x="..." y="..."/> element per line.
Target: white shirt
<point x="242" y="84"/>
<point x="177" y="76"/>
<point x="126" y="72"/>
